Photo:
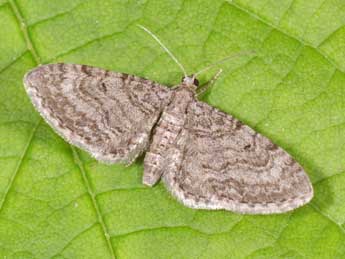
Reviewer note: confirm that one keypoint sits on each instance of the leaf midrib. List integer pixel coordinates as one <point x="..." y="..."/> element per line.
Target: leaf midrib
<point x="30" y="46"/>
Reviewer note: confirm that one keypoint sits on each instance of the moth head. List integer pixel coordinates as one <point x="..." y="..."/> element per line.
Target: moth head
<point x="190" y="81"/>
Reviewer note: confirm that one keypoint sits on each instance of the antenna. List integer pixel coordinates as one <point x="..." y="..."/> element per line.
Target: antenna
<point x="241" y="53"/>
<point x="165" y="48"/>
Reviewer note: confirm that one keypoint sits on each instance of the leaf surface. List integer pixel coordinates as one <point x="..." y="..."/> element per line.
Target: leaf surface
<point x="57" y="202"/>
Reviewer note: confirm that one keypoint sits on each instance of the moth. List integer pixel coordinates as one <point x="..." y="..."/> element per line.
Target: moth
<point x="206" y="158"/>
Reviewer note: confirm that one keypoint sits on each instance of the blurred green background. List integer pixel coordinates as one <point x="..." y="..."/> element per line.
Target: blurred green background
<point x="57" y="202"/>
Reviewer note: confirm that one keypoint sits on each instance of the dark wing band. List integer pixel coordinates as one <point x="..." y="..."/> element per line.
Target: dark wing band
<point x="219" y="163"/>
<point x="106" y="113"/>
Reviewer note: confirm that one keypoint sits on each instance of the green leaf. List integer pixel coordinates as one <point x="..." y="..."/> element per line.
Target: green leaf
<point x="57" y="202"/>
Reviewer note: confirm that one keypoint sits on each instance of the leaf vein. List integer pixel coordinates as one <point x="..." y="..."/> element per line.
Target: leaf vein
<point x="255" y="16"/>
<point x="50" y="18"/>
<point x="23" y="26"/>
<point x="14" y="60"/>
<point x="32" y="49"/>
<point x="72" y="239"/>
<point x="90" y="191"/>
<point x="328" y="217"/>
<point x="19" y="164"/>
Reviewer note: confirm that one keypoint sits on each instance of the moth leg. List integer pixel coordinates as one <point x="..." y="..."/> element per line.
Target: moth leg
<point x="203" y="88"/>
